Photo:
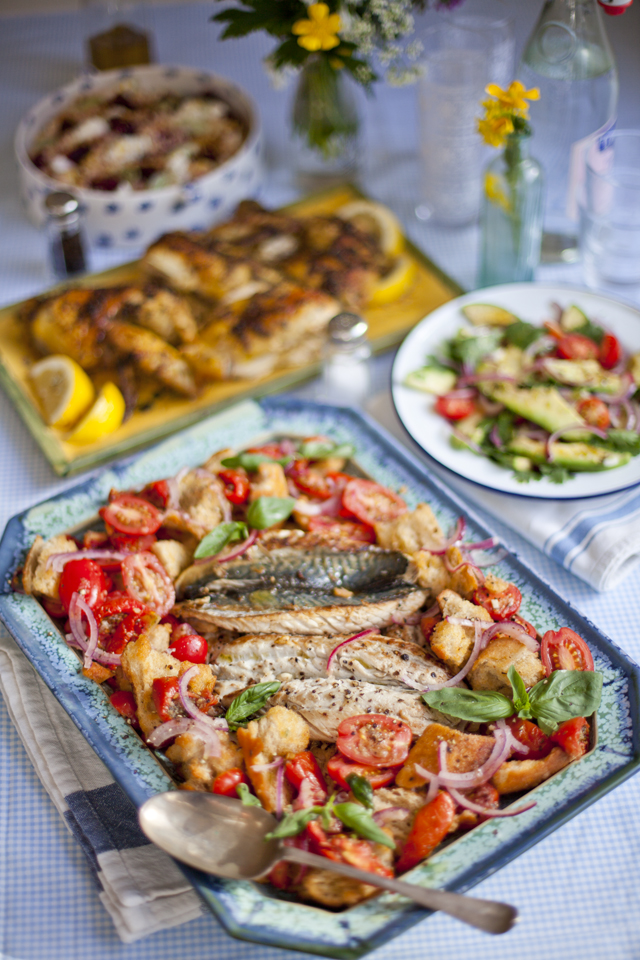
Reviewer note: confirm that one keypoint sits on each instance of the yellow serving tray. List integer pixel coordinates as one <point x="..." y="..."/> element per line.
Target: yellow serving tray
<point x="167" y="413"/>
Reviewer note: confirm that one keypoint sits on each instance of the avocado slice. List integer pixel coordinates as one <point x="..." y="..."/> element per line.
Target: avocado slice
<point x="583" y="373"/>
<point x="475" y="427"/>
<point x="543" y="405"/>
<point x="573" y="318"/>
<point x="485" y="314"/>
<point x="571" y="456"/>
<point x="435" y="380"/>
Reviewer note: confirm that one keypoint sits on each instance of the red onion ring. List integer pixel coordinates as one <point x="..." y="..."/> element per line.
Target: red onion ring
<point x="268" y="766"/>
<point x="99" y="656"/>
<point x="626" y="392"/>
<point x="390" y="813"/>
<point x="490" y="408"/>
<point x="208" y="725"/>
<point x="279" y="790"/>
<point x="77" y="608"/>
<point x="495" y="438"/>
<point x="454" y="537"/>
<point x="514" y="630"/>
<point x="240" y="549"/>
<point x="462" y="801"/>
<point x="632" y="419"/>
<point x="431" y="778"/>
<point x="58" y="561"/>
<point x="559" y="433"/>
<point x="474" y="778"/>
<point x="478" y="645"/>
<point x="467" y="442"/>
<point x="169" y="730"/>
<point x="432" y="611"/>
<point x="357" y="636"/>
<point x="516" y="746"/>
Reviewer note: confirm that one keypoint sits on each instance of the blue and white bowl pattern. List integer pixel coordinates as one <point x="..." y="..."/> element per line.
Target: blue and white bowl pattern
<point x="137" y="218"/>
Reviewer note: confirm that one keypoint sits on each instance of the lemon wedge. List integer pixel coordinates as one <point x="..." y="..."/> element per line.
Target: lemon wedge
<point x="63" y="388"/>
<point x="105" y="416"/>
<point x="394" y="284"/>
<point x="375" y="219"/>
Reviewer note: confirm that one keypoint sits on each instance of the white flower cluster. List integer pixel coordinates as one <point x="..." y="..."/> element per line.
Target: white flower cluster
<point x="379" y="28"/>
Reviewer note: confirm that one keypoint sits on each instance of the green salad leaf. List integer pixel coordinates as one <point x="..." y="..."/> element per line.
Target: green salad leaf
<point x="219" y="537"/>
<point x="469" y="346"/>
<point x="249" y="702"/>
<point x="356" y="818"/>
<point x="322" y="450"/>
<point x="564" y="695"/>
<point x="361" y="789"/>
<point x="265" y="512"/>
<point x="522" y="334"/>
<point x="476" y="706"/>
<point x="251" y="461"/>
<point x="247" y="798"/>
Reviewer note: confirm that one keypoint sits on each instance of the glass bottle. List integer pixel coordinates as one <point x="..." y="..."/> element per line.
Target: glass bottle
<point x="346" y="376"/>
<point x="325" y="126"/>
<point x="65" y="234"/>
<point x="569" y="59"/>
<point x="511" y="215"/>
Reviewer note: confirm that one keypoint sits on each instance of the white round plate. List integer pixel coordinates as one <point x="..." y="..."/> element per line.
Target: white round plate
<point x="531" y="302"/>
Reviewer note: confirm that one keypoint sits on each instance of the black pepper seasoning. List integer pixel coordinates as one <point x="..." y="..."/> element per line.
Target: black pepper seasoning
<point x="65" y="235"/>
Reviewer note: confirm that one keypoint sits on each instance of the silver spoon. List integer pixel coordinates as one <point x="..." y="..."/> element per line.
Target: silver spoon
<point x="219" y="835"/>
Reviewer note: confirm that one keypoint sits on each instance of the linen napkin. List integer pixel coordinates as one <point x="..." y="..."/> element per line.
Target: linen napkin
<point x="140" y="886"/>
<point x="597" y="539"/>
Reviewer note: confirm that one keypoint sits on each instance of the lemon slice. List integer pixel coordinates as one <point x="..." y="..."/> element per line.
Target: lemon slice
<point x="395" y="283"/>
<point x="63" y="388"/>
<point x="375" y="219"/>
<point x="105" y="416"/>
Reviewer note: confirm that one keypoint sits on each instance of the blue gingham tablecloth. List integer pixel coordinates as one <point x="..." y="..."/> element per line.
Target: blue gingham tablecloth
<point x="577" y="890"/>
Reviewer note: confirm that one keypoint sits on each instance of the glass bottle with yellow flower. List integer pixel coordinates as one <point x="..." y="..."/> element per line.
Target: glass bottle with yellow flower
<point x="511" y="214"/>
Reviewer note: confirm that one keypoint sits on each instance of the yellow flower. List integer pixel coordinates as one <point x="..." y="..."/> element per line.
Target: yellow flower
<point x="514" y="98"/>
<point x="319" y="31"/>
<point x="495" y="192"/>
<point x="494" y="130"/>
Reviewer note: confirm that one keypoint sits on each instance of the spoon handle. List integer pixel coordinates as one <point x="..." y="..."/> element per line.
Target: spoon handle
<point x="487" y="915"/>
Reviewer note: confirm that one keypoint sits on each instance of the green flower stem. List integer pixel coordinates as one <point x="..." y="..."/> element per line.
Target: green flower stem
<point x="321" y="115"/>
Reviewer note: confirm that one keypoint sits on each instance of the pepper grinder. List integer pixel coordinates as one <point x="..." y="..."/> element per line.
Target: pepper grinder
<point x="346" y="377"/>
<point x="65" y="235"/>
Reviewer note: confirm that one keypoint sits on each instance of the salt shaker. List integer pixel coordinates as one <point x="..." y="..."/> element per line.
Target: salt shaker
<point x="346" y="377"/>
<point x="65" y="234"/>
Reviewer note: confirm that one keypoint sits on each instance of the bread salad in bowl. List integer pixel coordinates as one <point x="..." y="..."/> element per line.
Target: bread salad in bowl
<point x="284" y="631"/>
<point x="546" y="400"/>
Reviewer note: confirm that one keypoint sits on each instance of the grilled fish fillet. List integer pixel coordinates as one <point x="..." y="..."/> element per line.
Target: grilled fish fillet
<point x="383" y="660"/>
<point x="152" y="355"/>
<point x="325" y="703"/>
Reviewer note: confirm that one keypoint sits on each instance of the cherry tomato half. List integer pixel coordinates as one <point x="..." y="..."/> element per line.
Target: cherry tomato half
<point x="350" y="529"/>
<point x="374" y="739"/>
<point x="573" y="737"/>
<point x="124" y="702"/>
<point x="85" y="577"/>
<point x="430" y="827"/>
<point x="371" y="503"/>
<point x="564" y="650"/>
<point x="339" y="768"/>
<point x="130" y="627"/>
<point x="315" y="483"/>
<point x="428" y="625"/>
<point x="226" y="784"/>
<point x="610" y="353"/>
<point x="454" y="408"/>
<point x="164" y="691"/>
<point x="529" y="627"/>
<point x="268" y="450"/>
<point x="573" y="346"/>
<point x="501" y="606"/>
<point x="236" y="485"/>
<point x="146" y="580"/>
<point x="594" y="411"/>
<point x="133" y="515"/>
<point x="157" y="493"/>
<point x="530" y="735"/>
<point x="191" y="647"/>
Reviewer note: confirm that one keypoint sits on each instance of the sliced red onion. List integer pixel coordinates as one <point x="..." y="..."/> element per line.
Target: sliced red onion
<point x="632" y="420"/>
<point x="467" y="562"/>
<point x="514" y="630"/>
<point x="58" y="561"/>
<point x="432" y="779"/>
<point x="495" y="438"/>
<point x="84" y="608"/>
<point x="305" y="507"/>
<point x="208" y="726"/>
<point x="560" y="433"/>
<point x="490" y="408"/>
<point x="540" y="345"/>
<point x="268" y="766"/>
<point x="454" y="537"/>
<point x="169" y="730"/>
<point x="307" y="797"/>
<point x="466" y="781"/>
<point x="288" y="447"/>
<point x="462" y="801"/>
<point x="240" y="549"/>
<point x="461" y="621"/>
<point x="516" y="746"/>
<point x="432" y="611"/>
<point x="411" y="621"/>
<point x="357" y="636"/>
<point x="628" y="389"/>
<point x="482" y="544"/>
<point x="100" y="656"/>
<point x="478" y="645"/>
<point x="390" y="813"/>
<point x="467" y="442"/>
<point x="279" y="790"/>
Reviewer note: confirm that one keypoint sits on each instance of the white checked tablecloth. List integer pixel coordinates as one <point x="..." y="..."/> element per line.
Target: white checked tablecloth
<point x="577" y="890"/>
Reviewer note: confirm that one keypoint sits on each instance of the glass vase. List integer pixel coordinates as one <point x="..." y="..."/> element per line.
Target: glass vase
<point x="325" y="126"/>
<point x="511" y="215"/>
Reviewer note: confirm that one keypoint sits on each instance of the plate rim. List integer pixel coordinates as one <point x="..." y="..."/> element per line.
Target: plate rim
<point x="218" y="898"/>
<point x="530" y="493"/>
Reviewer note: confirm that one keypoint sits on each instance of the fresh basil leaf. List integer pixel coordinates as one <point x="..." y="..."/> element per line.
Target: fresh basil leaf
<point x="564" y="695"/>
<point x="294" y="823"/>
<point x="522" y="334"/>
<point x="361" y="789"/>
<point x="249" y="702"/>
<point x="322" y="450"/>
<point x="521" y="703"/>
<point x="247" y="798"/>
<point x="219" y="537"/>
<point x="267" y="511"/>
<point x="356" y="818"/>
<point x="475" y="706"/>
<point x="469" y="347"/>
<point x="251" y="461"/>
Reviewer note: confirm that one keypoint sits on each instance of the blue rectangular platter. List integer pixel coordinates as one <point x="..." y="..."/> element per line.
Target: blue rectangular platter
<point x="253" y="911"/>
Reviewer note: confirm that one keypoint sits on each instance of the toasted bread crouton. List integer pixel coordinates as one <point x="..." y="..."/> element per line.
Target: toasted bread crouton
<point x="403" y="799"/>
<point x="187" y="752"/>
<point x="432" y="574"/>
<point x="452" y="642"/>
<point x="489" y="672"/>
<point x="142" y="664"/>
<point x="173" y="556"/>
<point x="465" y="752"/>
<point x="516" y="775"/>
<point x="417" y="530"/>
<point x="280" y="733"/>
<point x="36" y="578"/>
<point x="270" y="482"/>
<point x="464" y="581"/>
<point x="332" y="890"/>
<point x="200" y="504"/>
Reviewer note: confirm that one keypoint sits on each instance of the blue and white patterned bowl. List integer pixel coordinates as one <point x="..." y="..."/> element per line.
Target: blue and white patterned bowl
<point x="137" y="218"/>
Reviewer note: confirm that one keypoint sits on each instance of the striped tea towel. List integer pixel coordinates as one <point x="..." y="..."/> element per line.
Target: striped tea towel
<point x="139" y="885"/>
<point x="597" y="539"/>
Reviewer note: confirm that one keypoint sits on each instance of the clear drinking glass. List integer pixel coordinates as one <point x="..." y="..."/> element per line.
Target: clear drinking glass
<point x="610" y="215"/>
<point x="462" y="55"/>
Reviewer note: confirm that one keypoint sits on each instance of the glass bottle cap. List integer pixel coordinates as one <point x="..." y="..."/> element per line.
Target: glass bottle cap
<point x="348" y="328"/>
<point x="61" y="204"/>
